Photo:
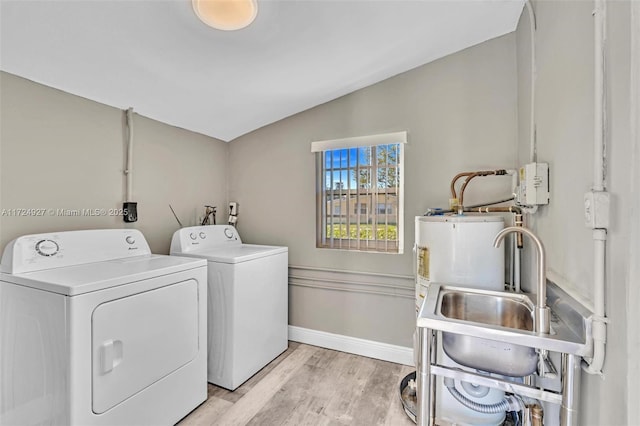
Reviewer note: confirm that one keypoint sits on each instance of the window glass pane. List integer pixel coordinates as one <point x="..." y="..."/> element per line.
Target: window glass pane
<point x="360" y="194"/>
<point x="364" y="154"/>
<point x="327" y="180"/>
<point x="344" y="178"/>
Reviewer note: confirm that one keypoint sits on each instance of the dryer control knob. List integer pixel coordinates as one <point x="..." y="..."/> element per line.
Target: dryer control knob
<point x="130" y="239"/>
<point x="47" y="247"/>
<point x="203" y="235"/>
<point x="193" y="235"/>
<point x="228" y="232"/>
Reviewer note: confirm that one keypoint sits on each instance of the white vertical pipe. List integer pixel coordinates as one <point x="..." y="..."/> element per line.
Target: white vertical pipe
<point x="515" y="258"/>
<point x="533" y="155"/>
<point x="516" y="268"/>
<point x="594" y="366"/>
<point x="599" y="329"/>
<point x="599" y="81"/>
<point x="512" y="265"/>
<point x="633" y="291"/>
<point x="129" y="168"/>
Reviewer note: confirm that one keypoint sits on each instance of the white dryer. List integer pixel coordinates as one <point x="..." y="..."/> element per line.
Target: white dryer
<point x="96" y="330"/>
<point x="248" y="294"/>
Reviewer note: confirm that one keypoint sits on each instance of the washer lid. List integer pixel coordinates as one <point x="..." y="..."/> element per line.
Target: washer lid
<point x="88" y="277"/>
<point x="236" y="254"/>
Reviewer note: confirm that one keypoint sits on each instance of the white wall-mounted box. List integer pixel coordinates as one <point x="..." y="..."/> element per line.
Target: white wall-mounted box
<point x="533" y="185"/>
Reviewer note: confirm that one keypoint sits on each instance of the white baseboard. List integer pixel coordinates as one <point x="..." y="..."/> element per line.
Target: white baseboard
<point x="352" y="345"/>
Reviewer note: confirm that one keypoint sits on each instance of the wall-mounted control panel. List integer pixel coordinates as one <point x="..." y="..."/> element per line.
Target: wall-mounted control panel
<point x="202" y="237"/>
<point x="533" y="185"/>
<point x="30" y="253"/>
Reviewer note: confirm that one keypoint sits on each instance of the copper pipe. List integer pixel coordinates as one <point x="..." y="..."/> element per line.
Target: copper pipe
<point x="473" y="175"/>
<point x="536" y="415"/>
<point x="455" y="179"/>
<point x="518" y="221"/>
<point x="464" y="186"/>
<point x="511" y="209"/>
<point x="463" y="174"/>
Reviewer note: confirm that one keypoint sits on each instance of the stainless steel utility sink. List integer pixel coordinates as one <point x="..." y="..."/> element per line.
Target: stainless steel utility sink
<point x="505" y="310"/>
<point x="493" y="331"/>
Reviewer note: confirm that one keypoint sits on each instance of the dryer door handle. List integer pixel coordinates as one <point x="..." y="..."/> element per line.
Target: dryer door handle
<point x="110" y="355"/>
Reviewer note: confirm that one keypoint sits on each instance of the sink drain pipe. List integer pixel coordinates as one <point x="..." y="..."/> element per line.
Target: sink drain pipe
<point x="509" y="403"/>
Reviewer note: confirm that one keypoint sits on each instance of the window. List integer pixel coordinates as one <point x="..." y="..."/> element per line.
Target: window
<point x="385" y="208"/>
<point x="359" y="193"/>
<point x="361" y="210"/>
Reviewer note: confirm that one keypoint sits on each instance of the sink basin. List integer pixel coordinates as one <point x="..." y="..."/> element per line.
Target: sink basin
<point x="511" y="311"/>
<point x="499" y="316"/>
<point x="487" y="309"/>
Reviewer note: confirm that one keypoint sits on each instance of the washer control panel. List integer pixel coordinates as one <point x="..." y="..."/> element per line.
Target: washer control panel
<point x="201" y="237"/>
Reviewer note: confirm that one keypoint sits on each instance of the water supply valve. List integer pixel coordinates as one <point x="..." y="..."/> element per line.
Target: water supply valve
<point x="233" y="213"/>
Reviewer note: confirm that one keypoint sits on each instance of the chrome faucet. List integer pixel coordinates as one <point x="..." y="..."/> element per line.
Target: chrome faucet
<point x="541" y="311"/>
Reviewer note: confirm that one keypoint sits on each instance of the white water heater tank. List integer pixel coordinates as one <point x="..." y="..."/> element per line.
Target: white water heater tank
<point x="458" y="250"/>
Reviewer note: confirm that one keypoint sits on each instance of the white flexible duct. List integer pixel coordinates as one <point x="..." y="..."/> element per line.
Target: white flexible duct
<point x="594" y="366"/>
<point x="508" y="403"/>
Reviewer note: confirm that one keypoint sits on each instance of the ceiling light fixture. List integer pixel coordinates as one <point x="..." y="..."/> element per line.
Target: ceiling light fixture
<point x="227" y="15"/>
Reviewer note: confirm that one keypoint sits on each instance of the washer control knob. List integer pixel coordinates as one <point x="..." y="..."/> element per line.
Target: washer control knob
<point x="228" y="232"/>
<point x="193" y="235"/>
<point x="203" y="235"/>
<point x="47" y="247"/>
<point x="130" y="239"/>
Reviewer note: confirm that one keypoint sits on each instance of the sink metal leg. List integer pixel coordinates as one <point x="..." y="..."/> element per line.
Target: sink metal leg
<point x="570" y="390"/>
<point x="425" y="382"/>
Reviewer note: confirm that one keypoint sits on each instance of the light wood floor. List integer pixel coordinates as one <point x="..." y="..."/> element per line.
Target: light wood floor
<point x="307" y="385"/>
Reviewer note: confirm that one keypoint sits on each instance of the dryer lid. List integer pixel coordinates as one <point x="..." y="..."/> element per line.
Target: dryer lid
<point x="85" y="278"/>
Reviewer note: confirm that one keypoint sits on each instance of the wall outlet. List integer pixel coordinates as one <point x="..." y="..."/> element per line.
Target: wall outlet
<point x="233" y="208"/>
<point x="130" y="211"/>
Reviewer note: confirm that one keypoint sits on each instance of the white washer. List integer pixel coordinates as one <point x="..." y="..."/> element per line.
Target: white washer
<point x="96" y="330"/>
<point x="248" y="293"/>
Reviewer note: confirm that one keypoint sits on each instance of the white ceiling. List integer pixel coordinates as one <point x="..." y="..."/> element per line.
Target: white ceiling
<point x="156" y="57"/>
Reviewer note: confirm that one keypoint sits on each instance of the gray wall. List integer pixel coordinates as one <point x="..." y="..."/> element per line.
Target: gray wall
<point x="460" y="113"/>
<point x="565" y="113"/>
<point x="61" y="151"/>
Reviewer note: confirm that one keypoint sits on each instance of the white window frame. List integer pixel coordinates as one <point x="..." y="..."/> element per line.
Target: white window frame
<point x="322" y="218"/>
